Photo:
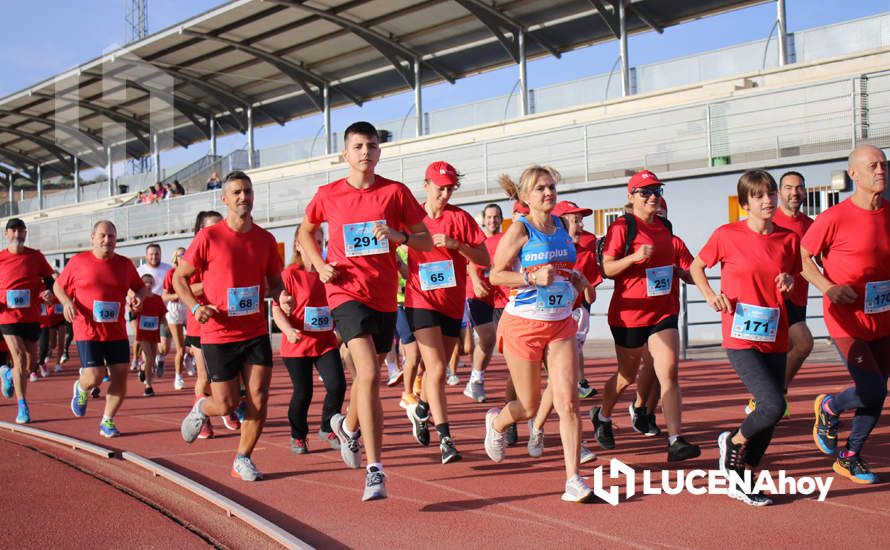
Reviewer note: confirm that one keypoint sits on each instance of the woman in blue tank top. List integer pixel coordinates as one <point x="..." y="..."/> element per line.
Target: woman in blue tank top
<point x="538" y="320"/>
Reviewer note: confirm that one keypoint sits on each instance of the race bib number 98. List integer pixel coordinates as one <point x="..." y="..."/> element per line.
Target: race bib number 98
<point x="243" y="301"/>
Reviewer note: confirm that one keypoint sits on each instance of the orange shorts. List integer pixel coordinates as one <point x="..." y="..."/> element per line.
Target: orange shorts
<point x="528" y="338"/>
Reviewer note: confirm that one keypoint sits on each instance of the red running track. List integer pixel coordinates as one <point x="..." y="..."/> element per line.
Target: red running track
<point x="476" y="503"/>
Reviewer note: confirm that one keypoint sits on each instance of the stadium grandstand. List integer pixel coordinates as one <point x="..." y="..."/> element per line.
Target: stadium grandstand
<point x="797" y="101"/>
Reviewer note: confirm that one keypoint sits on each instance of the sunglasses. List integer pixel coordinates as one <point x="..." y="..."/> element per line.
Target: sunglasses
<point x="647" y="192"/>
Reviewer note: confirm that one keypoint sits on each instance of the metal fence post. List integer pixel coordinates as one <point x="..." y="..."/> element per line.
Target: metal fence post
<point x="684" y="321"/>
<point x="586" y="155"/>
<point x="485" y="167"/>
<point x="853" y="113"/>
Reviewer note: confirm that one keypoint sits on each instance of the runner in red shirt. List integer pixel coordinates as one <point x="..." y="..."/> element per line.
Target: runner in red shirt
<point x="758" y="263"/>
<point x="853" y="239"/>
<point x="148" y="330"/>
<point x="586" y="248"/>
<point x="237" y="260"/>
<point x="52" y="335"/>
<point x="481" y="305"/>
<point x="641" y="311"/>
<point x="92" y="289"/>
<point x="435" y="295"/>
<point x="367" y="217"/>
<point x="25" y="278"/>
<point x="307" y="339"/>
<point x="175" y="320"/>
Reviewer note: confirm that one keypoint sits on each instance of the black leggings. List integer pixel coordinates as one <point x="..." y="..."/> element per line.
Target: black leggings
<point x="764" y="376"/>
<point x="869" y="366"/>
<point x="43" y="343"/>
<point x="300" y="369"/>
<point x="69" y="336"/>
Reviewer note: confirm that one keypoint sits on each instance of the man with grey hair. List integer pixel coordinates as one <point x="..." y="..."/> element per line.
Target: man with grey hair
<point x="92" y="290"/>
<point x="853" y="240"/>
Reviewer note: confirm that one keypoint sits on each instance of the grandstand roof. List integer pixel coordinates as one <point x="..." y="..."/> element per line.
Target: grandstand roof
<point x="277" y="56"/>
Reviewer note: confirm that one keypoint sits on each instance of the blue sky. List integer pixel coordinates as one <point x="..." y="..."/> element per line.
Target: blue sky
<point x="38" y="45"/>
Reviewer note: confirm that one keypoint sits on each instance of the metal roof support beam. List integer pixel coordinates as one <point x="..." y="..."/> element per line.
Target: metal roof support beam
<point x="326" y="113"/>
<point x="59" y="152"/>
<point x="85" y="139"/>
<point x="311" y="83"/>
<point x="250" y="151"/>
<point x="622" y="29"/>
<point x="24" y="162"/>
<point x="212" y="136"/>
<point x="497" y="22"/>
<point x="646" y="18"/>
<point x="608" y="16"/>
<point x="783" y="32"/>
<point x="523" y="77"/>
<point x="400" y="56"/>
<point x="418" y="99"/>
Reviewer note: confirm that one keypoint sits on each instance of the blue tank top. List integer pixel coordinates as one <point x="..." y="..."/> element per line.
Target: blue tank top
<point x="553" y="302"/>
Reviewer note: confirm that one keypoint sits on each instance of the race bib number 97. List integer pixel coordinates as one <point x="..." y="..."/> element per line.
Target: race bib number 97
<point x="558" y="295"/>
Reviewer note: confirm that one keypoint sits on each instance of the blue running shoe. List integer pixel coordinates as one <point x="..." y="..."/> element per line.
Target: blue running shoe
<point x="24" y="416"/>
<point x="855" y="469"/>
<point x="6" y="379"/>
<point x="79" y="401"/>
<point x="239" y="410"/>
<point x="108" y="429"/>
<point x="825" y="427"/>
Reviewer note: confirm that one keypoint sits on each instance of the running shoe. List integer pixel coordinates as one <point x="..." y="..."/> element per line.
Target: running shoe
<point x="178" y="383"/>
<point x="639" y="420"/>
<point x="134" y="365"/>
<point x="244" y="468"/>
<point x="732" y="456"/>
<point x="576" y="490"/>
<point x="193" y="422"/>
<point x="452" y="379"/>
<point x="855" y="469"/>
<point x="535" y="440"/>
<point x="206" y="431"/>
<point x="159" y="368"/>
<point x="79" y="400"/>
<point x="754" y="498"/>
<point x="750" y="406"/>
<point x="108" y="429"/>
<point x="825" y="427"/>
<point x="63" y="359"/>
<point x="449" y="451"/>
<point x="681" y="449"/>
<point x="586" y="455"/>
<point x="585" y="390"/>
<point x="602" y="430"/>
<point x="58" y="368"/>
<point x="231" y="422"/>
<point x="149" y="391"/>
<point x="189" y="362"/>
<point x="142" y="376"/>
<point x="41" y="367"/>
<point x="787" y="413"/>
<point x="375" y="484"/>
<point x="419" y="428"/>
<point x="96" y="392"/>
<point x="407" y="400"/>
<point x="653" y="426"/>
<point x="494" y="440"/>
<point x="24" y="414"/>
<point x="330" y="438"/>
<point x="6" y="380"/>
<point x="350" y="448"/>
<point x="106" y="378"/>
<point x="33" y="377"/>
<point x="299" y="446"/>
<point x="239" y="410"/>
<point x="475" y="391"/>
<point x="394" y="377"/>
<point x="511" y="435"/>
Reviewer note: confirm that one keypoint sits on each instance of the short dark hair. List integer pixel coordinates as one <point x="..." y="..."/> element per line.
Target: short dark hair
<point x="236" y="175"/>
<point x="493" y="205"/>
<point x="203" y="215"/>
<point x="361" y="128"/>
<point x="793" y="173"/>
<point x="153" y="245"/>
<point x="753" y="183"/>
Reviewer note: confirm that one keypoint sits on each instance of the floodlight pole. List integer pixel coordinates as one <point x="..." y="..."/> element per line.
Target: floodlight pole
<point x="783" y="36"/>
<point x="212" y="124"/>
<point x="155" y="157"/>
<point x="523" y="77"/>
<point x="109" y="171"/>
<point x="418" y="98"/>
<point x="326" y="92"/>
<point x="622" y="41"/>
<point x="250" y="159"/>
<point x="39" y="187"/>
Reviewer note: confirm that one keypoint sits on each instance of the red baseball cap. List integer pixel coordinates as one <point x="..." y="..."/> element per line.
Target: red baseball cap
<point x="643" y="178"/>
<point x="568" y="207"/>
<point x="442" y="174"/>
<point x="520" y="207"/>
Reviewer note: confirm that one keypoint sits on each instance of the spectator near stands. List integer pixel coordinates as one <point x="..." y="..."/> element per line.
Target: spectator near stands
<point x="174" y="189"/>
<point x="213" y="183"/>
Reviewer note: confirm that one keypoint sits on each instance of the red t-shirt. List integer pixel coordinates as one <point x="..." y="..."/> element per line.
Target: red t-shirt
<point x="311" y="315"/>
<point x="98" y="288"/>
<point x="585" y="262"/>
<point x="798" y="224"/>
<point x="148" y="324"/>
<point x="749" y="264"/>
<point x="631" y="306"/>
<point x="449" y="301"/>
<point x="192" y="326"/>
<point x="51" y="315"/>
<point x="684" y="260"/>
<point x="855" y="248"/>
<point x="499" y="294"/>
<point x="371" y="279"/>
<point x="21" y="281"/>
<point x="235" y="267"/>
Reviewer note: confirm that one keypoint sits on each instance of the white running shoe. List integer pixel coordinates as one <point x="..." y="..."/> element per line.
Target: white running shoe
<point x="535" y="440"/>
<point x="33" y="377"/>
<point x="394" y="377"/>
<point x="43" y="372"/>
<point x="576" y="490"/>
<point x="475" y="391"/>
<point x="350" y="448"/>
<point x="586" y="455"/>
<point x="375" y="484"/>
<point x="244" y="468"/>
<point x="58" y="368"/>
<point x="494" y="440"/>
<point x="452" y="379"/>
<point x="178" y="383"/>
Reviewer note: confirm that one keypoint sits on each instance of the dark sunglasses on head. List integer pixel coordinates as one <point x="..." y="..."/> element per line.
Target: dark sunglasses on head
<point x="647" y="192"/>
